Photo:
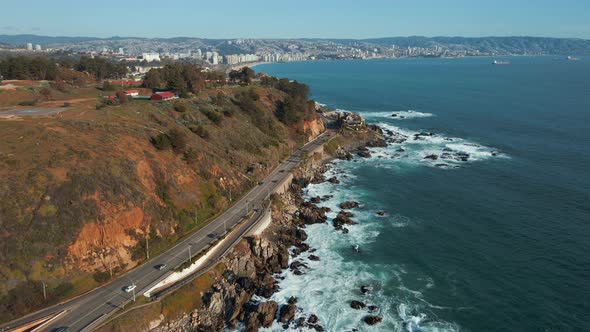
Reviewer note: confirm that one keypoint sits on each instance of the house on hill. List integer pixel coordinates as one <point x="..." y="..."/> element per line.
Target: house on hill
<point x="165" y="95"/>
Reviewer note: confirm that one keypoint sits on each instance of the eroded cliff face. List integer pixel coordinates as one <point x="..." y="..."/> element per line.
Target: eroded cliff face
<point x="106" y="244"/>
<point x="314" y="128"/>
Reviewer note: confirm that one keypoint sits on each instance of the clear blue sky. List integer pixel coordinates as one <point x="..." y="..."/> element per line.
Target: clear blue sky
<point x="297" y="18"/>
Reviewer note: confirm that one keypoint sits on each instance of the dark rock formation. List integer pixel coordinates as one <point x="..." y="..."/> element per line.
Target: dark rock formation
<point x="334" y="180"/>
<point x="287" y="313"/>
<point x="354" y="304"/>
<point x="372" y="320"/>
<point x="349" y="205"/>
<point x="314" y="258"/>
<point x="310" y="213"/>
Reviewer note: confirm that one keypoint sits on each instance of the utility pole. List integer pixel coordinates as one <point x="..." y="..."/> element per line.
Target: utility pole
<point x="147" y="247"/>
<point x="133" y="294"/>
<point x="44" y="292"/>
<point x="111" y="269"/>
<point x="190" y="256"/>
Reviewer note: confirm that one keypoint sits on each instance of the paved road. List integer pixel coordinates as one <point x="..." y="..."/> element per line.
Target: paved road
<point x="85" y="311"/>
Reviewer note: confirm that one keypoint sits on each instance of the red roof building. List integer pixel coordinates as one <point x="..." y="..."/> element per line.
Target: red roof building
<point x="166" y="95"/>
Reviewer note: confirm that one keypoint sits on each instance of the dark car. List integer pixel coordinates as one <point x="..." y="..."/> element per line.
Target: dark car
<point x="61" y="329"/>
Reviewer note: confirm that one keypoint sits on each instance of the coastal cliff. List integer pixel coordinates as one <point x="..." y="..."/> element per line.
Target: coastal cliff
<point x="239" y="296"/>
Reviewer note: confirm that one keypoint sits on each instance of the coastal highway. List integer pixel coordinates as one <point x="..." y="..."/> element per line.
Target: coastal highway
<point x="88" y="310"/>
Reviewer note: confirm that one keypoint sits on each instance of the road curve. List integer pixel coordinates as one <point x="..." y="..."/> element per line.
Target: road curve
<point x="84" y="312"/>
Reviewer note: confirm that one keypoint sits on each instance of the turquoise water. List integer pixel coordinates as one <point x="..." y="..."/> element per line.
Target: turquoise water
<point x="499" y="242"/>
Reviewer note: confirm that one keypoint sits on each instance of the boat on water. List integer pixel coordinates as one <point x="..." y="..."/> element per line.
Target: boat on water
<point x="496" y="62"/>
<point x="571" y="58"/>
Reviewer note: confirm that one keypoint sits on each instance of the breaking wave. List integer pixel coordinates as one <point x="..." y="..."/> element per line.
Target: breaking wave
<point x="327" y="286"/>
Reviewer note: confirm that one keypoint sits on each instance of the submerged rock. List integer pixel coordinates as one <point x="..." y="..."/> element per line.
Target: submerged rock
<point x="354" y="304"/>
<point x="334" y="180"/>
<point x="349" y="205"/>
<point x="366" y="289"/>
<point x="372" y="320"/>
<point x="432" y="156"/>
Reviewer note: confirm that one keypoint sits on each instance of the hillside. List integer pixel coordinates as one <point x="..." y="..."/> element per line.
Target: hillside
<point x="83" y="190"/>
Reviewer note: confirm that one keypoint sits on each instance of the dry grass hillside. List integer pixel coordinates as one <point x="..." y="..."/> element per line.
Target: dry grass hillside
<point x="81" y="190"/>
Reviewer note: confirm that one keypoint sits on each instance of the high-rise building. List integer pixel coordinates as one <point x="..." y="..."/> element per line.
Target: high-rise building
<point x="29" y="47"/>
<point x="37" y="47"/>
<point x="121" y="50"/>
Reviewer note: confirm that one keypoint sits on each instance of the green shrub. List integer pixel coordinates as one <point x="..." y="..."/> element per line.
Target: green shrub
<point x="213" y="116"/>
<point x="161" y="142"/>
<point x="28" y="103"/>
<point x="191" y="156"/>
<point x="101" y="276"/>
<point x="181" y="107"/>
<point x="199" y="131"/>
<point x="178" y="140"/>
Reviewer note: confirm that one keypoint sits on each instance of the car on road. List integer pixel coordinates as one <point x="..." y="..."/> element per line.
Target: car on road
<point x="160" y="267"/>
<point x="281" y="171"/>
<point x="129" y="288"/>
<point x="260" y="182"/>
<point x="61" y="329"/>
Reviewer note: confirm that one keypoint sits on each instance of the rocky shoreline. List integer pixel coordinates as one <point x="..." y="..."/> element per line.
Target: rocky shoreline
<point x="240" y="298"/>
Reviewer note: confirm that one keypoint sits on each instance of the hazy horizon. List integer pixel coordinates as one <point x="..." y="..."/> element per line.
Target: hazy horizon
<point x="328" y="19"/>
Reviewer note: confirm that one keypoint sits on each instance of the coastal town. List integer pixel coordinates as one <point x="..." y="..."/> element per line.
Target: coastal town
<point x="144" y="53"/>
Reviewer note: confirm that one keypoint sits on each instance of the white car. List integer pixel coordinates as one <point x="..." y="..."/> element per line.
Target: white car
<point x="129" y="288"/>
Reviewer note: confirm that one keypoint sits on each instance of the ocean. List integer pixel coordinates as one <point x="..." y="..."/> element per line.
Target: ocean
<point x="492" y="234"/>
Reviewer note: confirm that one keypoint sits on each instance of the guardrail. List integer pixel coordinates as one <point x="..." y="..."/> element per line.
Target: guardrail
<point x="206" y="266"/>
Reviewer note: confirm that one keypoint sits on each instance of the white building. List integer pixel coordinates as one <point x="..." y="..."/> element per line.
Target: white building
<point x="29" y="47"/>
<point x="121" y="51"/>
<point x="214" y="59"/>
<point x="37" y="47"/>
<point x="149" y="57"/>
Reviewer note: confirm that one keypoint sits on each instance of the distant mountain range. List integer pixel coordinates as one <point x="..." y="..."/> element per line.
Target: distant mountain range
<point x="496" y="45"/>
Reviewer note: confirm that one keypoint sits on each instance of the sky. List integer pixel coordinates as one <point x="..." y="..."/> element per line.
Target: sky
<point x="297" y="18"/>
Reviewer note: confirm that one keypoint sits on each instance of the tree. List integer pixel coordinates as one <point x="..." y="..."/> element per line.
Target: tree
<point x="247" y="74"/>
<point x="152" y="79"/>
<point x="123" y="99"/>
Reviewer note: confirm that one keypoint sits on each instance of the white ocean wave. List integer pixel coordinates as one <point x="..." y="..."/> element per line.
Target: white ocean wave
<point x="397" y="115"/>
<point x="425" y="148"/>
<point x="328" y="285"/>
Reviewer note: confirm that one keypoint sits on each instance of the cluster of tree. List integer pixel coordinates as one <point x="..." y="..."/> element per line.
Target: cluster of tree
<point x="292" y="88"/>
<point x="75" y="72"/>
<point x="181" y="78"/>
<point x="244" y="76"/>
<point x="28" y="68"/>
<point x="101" y="68"/>
<point x="296" y="106"/>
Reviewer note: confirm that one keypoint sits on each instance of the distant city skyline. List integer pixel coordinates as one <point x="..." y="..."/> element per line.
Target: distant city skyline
<point x="300" y="19"/>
